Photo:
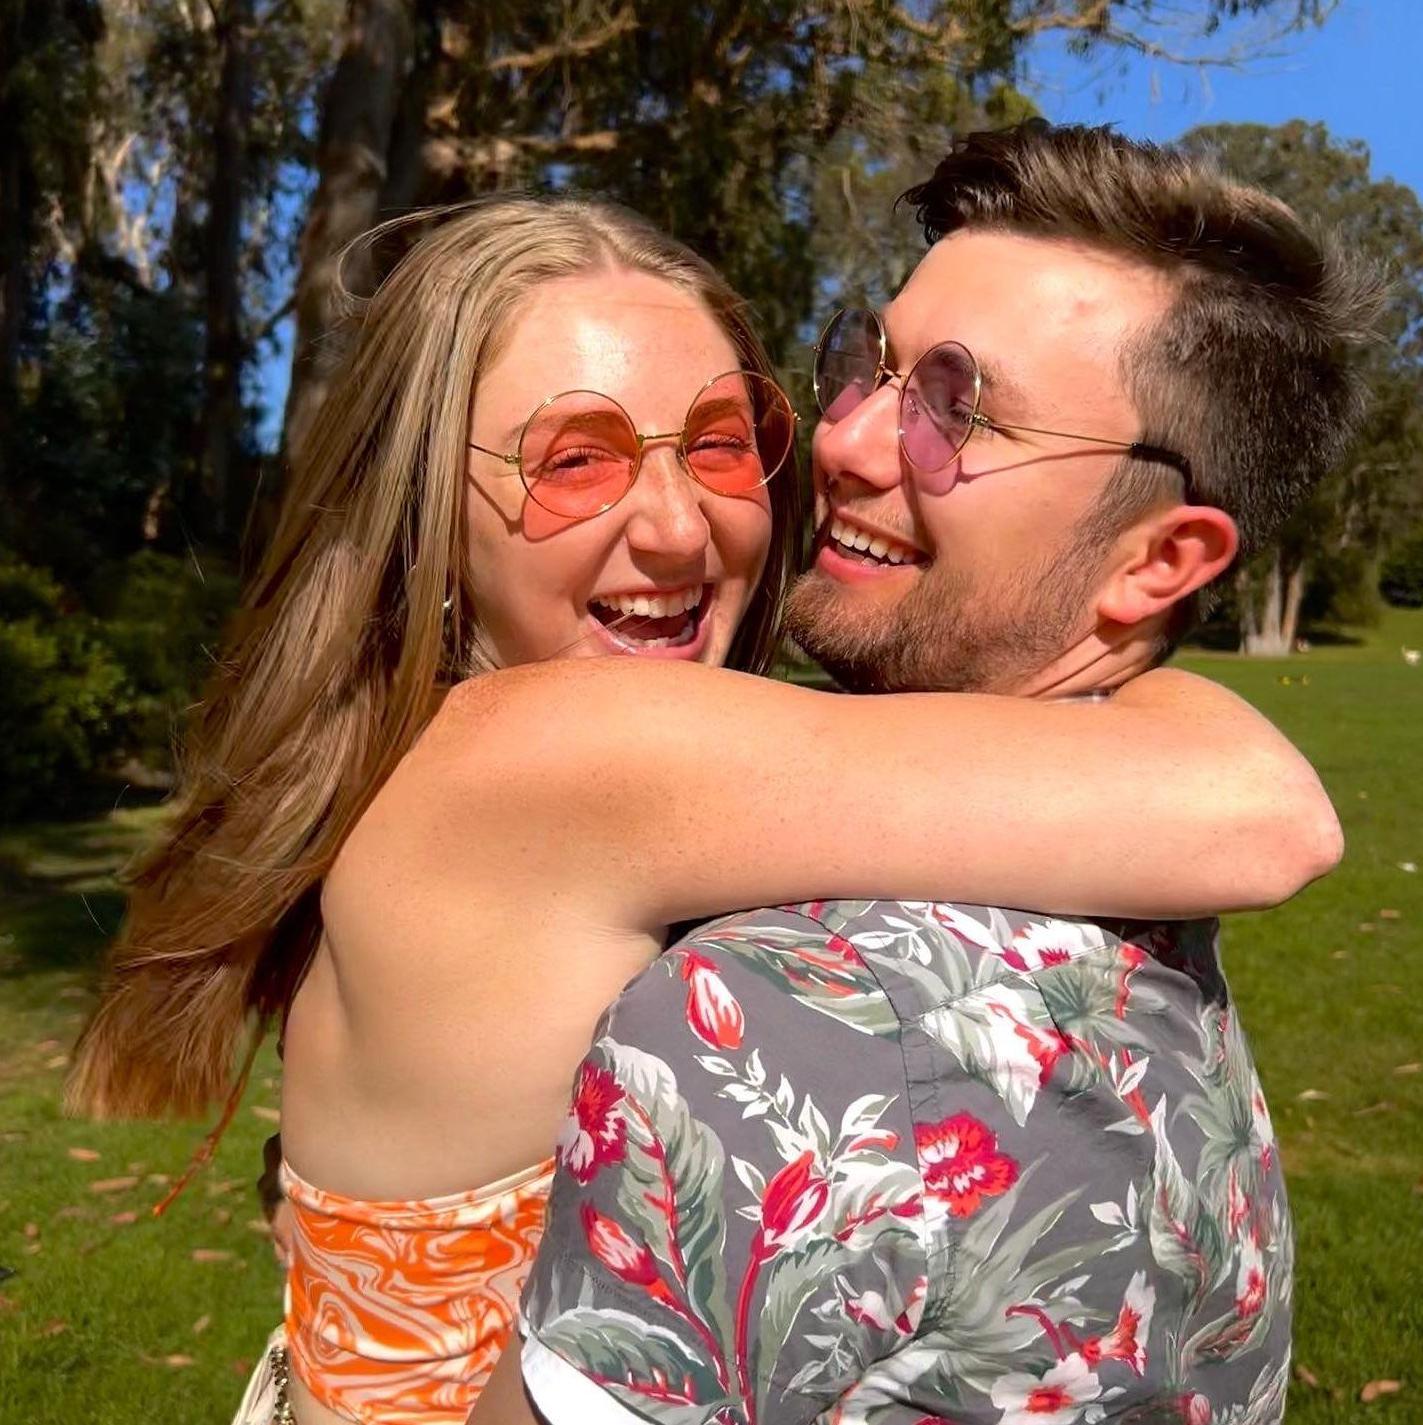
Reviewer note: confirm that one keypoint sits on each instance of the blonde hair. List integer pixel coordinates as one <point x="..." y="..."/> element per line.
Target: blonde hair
<point x="362" y="603"/>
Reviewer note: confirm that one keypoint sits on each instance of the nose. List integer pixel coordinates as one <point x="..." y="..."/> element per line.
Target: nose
<point x="863" y="444"/>
<point x="667" y="518"/>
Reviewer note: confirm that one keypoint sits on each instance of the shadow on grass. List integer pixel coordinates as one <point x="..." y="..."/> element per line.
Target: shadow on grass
<point x="61" y="930"/>
<point x="1225" y="638"/>
<point x="60" y="888"/>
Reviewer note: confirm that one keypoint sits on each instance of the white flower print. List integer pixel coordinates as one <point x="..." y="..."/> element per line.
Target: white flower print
<point x="1056" y="1398"/>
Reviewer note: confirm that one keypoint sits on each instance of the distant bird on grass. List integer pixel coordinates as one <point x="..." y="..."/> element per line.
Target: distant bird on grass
<point x="1413" y="656"/>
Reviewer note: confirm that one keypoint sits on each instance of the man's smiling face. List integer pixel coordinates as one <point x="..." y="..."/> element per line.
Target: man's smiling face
<point x="992" y="584"/>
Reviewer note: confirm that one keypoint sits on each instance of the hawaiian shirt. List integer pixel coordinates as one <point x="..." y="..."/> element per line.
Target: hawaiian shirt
<point x="913" y="1163"/>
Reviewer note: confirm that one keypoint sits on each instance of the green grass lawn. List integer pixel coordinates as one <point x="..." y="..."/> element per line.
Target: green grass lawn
<point x="110" y="1317"/>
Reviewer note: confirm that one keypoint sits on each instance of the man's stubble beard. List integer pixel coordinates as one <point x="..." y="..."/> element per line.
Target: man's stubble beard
<point x="953" y="631"/>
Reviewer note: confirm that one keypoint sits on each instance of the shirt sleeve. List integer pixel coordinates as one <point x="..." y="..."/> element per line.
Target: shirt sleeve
<point x="736" y="1229"/>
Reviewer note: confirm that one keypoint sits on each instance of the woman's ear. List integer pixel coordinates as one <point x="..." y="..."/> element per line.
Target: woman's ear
<point x="1165" y="557"/>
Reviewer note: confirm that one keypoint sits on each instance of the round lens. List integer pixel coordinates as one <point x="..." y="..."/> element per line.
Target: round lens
<point x="738" y="432"/>
<point x="937" y="409"/>
<point x="847" y="362"/>
<point x="578" y="454"/>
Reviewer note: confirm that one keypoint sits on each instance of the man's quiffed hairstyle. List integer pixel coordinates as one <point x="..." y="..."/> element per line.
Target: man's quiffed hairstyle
<point x="1252" y="373"/>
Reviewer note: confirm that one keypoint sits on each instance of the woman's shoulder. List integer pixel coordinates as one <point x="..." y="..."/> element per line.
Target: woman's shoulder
<point x="556" y="718"/>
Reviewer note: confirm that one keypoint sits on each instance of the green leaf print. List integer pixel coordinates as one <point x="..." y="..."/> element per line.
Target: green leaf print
<point x="667" y="1380"/>
<point x="670" y="1183"/>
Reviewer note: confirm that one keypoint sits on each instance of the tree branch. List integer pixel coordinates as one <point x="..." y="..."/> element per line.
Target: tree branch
<point x="274" y="320"/>
<point x="449" y="156"/>
<point x="1094" y="19"/>
<point x="621" y="24"/>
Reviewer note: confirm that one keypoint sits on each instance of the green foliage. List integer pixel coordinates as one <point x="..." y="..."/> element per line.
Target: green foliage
<point x="1401" y="579"/>
<point x="64" y="699"/>
<point x="77" y="692"/>
<point x="105" y="428"/>
<point x="1337" y="533"/>
<point x="163" y="618"/>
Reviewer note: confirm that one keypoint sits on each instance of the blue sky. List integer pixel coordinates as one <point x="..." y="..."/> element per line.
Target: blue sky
<point x="1355" y="74"/>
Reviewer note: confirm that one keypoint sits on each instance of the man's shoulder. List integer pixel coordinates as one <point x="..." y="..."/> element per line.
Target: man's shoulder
<point x="924" y="956"/>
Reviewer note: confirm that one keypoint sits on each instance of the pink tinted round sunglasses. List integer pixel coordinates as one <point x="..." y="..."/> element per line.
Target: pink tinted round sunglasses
<point x="938" y="399"/>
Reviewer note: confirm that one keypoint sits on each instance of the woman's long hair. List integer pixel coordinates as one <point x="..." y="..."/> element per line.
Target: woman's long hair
<point x="360" y="608"/>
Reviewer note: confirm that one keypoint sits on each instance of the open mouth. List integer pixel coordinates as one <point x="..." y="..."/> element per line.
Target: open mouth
<point x="646" y="621"/>
<point x="859" y="546"/>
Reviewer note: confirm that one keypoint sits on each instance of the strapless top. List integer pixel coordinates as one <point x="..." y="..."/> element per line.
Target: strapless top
<point x="396" y="1312"/>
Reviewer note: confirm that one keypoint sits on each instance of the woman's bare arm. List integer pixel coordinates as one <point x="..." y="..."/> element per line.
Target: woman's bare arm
<point x="665" y="792"/>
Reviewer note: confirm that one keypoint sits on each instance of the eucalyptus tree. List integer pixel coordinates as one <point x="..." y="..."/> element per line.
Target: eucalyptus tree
<point x="1327" y="554"/>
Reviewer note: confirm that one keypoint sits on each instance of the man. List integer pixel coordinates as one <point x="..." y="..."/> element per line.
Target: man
<point x="907" y="1163"/>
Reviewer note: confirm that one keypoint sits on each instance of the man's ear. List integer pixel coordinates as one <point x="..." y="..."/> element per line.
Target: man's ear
<point x="1165" y="557"/>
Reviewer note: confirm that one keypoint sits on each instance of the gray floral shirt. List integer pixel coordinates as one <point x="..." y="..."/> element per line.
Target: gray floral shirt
<point x="905" y="1163"/>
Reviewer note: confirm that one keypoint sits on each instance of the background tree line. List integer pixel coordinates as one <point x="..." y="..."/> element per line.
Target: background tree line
<point x="179" y="179"/>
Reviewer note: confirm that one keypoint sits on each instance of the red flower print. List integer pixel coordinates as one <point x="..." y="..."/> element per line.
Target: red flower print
<point x="1250" y="1280"/>
<point x="712" y="1011"/>
<point x="1126" y="1341"/>
<point x="1195" y="1409"/>
<point x="1045" y="1046"/>
<point x="1131" y="958"/>
<point x="1237" y="1202"/>
<point x="961" y="1164"/>
<point x="885" y="1138"/>
<point x="1264" y="1131"/>
<point x="627" y="1259"/>
<point x="595" y="1132"/>
<point x="1056" y="1398"/>
<point x="794" y="1200"/>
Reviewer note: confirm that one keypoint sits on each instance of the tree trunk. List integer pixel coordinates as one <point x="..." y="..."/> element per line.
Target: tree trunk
<point x="1269" y="614"/>
<point x="353" y="161"/>
<point x="225" y="353"/>
<point x="1294" y="597"/>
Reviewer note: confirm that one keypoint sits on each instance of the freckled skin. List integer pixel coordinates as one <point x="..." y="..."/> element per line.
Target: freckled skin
<point x="651" y="347"/>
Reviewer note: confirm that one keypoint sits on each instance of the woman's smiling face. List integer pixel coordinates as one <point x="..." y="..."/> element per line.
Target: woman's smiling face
<point x="546" y="585"/>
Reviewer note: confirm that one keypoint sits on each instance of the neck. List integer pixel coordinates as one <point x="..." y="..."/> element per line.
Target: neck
<point x="1110" y="655"/>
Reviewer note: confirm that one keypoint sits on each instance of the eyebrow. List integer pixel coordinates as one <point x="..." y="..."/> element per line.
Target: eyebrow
<point x="1003" y="387"/>
<point x="996" y="382"/>
<point x="579" y="420"/>
<point x="722" y="406"/>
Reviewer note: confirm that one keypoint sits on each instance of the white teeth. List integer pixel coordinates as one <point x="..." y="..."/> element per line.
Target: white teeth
<point x="652" y="605"/>
<point x="875" y="545"/>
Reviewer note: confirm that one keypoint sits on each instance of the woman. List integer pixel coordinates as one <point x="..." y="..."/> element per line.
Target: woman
<point x="437" y="896"/>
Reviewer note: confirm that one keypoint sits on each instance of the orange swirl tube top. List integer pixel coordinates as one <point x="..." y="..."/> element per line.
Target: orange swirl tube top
<point x="396" y="1312"/>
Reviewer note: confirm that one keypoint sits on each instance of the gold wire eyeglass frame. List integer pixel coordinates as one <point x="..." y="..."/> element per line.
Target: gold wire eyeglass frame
<point x="1137" y="449"/>
<point x="515" y="457"/>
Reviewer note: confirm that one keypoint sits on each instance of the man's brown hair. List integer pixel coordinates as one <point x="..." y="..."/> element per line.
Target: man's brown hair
<point x="1252" y="373"/>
